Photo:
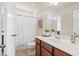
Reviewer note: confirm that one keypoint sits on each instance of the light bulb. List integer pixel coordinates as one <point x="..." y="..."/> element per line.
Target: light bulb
<point x="55" y="3"/>
<point x="50" y="2"/>
<point x="9" y="15"/>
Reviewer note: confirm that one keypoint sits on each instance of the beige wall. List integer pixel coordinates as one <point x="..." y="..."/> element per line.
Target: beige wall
<point x="67" y="19"/>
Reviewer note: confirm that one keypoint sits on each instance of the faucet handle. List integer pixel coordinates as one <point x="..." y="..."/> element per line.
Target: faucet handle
<point x="76" y="35"/>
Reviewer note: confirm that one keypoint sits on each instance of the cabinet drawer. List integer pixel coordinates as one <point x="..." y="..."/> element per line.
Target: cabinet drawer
<point x="37" y="49"/>
<point x="37" y="41"/>
<point x="45" y="52"/>
<point x="58" y="52"/>
<point x="47" y="46"/>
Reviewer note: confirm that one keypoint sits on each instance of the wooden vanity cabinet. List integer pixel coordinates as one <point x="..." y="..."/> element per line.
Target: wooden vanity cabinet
<point x="58" y="52"/>
<point x="38" y="41"/>
<point x="38" y="47"/>
<point x="46" y="46"/>
<point x="44" y="52"/>
<point x="37" y="50"/>
<point x="44" y="49"/>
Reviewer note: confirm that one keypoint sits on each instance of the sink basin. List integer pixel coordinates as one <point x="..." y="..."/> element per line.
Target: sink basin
<point x="55" y="39"/>
<point x="60" y="38"/>
<point x="46" y="35"/>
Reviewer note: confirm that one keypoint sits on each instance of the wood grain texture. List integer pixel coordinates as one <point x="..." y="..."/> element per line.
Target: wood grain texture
<point x="58" y="52"/>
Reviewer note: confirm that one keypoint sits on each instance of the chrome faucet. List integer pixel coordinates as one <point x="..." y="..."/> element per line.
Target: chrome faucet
<point x="73" y="37"/>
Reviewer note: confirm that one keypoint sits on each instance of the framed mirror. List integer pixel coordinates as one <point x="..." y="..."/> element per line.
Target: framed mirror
<point x="76" y="22"/>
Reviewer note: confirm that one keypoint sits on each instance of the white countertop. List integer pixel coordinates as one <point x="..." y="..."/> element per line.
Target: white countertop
<point x="63" y="44"/>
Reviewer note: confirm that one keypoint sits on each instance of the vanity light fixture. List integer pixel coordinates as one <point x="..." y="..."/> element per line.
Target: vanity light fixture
<point x="53" y="3"/>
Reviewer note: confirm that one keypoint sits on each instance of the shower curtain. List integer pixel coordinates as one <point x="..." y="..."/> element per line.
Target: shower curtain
<point x="25" y="27"/>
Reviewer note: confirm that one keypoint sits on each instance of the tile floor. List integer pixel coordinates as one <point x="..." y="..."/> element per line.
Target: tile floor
<point x="24" y="52"/>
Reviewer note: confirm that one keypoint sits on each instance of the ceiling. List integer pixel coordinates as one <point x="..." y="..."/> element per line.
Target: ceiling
<point x="41" y="6"/>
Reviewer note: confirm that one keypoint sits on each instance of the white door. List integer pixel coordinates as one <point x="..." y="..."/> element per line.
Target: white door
<point x="7" y="13"/>
<point x="0" y="34"/>
<point x="25" y="29"/>
<point x="10" y="28"/>
<point x="2" y="27"/>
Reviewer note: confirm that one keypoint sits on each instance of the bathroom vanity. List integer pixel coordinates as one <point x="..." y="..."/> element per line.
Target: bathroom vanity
<point x="50" y="46"/>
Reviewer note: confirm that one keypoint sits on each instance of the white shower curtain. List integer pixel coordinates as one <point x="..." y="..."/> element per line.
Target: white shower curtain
<point x="25" y="28"/>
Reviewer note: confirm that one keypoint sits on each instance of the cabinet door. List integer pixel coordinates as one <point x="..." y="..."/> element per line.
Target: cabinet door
<point x="45" y="52"/>
<point x="58" y="52"/>
<point x="47" y="46"/>
<point x="37" y="49"/>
